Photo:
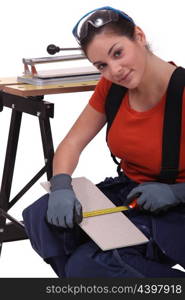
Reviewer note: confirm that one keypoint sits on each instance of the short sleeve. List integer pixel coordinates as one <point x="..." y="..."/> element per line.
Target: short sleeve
<point x="98" y="98"/>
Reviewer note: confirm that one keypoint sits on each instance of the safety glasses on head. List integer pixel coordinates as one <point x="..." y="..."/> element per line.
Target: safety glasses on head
<point x="97" y="18"/>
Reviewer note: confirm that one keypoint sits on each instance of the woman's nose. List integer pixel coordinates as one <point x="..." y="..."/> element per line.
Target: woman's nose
<point x="115" y="69"/>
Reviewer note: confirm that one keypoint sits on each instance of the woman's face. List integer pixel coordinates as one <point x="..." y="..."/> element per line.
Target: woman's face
<point x="119" y="59"/>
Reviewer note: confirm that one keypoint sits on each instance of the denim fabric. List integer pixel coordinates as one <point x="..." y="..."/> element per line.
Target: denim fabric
<point x="71" y="253"/>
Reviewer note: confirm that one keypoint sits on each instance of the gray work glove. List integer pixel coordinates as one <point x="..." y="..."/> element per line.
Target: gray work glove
<point x="64" y="209"/>
<point x="156" y="197"/>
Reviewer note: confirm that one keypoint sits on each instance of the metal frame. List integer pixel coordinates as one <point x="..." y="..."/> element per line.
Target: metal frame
<point x="42" y="60"/>
<point x="14" y="230"/>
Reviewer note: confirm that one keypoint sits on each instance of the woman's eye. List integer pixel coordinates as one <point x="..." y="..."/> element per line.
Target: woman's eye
<point x="101" y="67"/>
<point x="117" y="53"/>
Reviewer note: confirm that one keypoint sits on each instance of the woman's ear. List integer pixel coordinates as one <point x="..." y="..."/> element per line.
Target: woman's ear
<point x="140" y="36"/>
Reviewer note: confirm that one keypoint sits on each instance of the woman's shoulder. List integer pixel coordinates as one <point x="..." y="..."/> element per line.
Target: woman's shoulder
<point x="104" y="83"/>
<point x="99" y="96"/>
<point x="102" y="88"/>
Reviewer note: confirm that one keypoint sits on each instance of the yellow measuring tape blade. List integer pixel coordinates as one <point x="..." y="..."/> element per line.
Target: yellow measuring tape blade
<point x="94" y="213"/>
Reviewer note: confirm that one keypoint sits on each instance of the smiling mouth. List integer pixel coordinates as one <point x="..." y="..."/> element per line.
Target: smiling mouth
<point x="125" y="77"/>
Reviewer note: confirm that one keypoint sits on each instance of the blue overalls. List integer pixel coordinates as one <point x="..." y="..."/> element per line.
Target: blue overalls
<point x="71" y="253"/>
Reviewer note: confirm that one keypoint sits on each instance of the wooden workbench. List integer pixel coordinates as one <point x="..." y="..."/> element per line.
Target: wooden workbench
<point x="12" y="86"/>
<point x="7" y="80"/>
<point x="25" y="98"/>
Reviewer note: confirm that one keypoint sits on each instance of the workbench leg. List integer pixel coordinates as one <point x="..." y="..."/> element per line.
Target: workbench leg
<point x="9" y="164"/>
<point x="47" y="143"/>
<point x="14" y="230"/>
<point x="1" y="247"/>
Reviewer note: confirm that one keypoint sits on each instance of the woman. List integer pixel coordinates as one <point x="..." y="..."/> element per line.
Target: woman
<point x="119" y="50"/>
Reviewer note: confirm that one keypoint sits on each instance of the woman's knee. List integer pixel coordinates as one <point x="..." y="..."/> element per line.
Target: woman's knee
<point x="82" y="262"/>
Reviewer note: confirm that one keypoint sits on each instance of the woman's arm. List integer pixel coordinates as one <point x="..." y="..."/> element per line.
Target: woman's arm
<point x="64" y="209"/>
<point x="66" y="157"/>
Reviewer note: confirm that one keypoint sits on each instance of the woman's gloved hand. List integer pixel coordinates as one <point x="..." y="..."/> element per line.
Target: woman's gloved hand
<point x="64" y="209"/>
<point x="156" y="197"/>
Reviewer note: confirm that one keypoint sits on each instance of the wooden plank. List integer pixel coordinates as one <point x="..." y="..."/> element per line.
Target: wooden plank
<point x="8" y="81"/>
<point x="26" y="90"/>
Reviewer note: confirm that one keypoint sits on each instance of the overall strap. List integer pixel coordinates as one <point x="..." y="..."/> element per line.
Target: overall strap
<point x="113" y="102"/>
<point x="172" y="128"/>
<point x="114" y="99"/>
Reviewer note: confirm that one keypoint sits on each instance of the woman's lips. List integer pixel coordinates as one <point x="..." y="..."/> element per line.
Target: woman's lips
<point x="125" y="78"/>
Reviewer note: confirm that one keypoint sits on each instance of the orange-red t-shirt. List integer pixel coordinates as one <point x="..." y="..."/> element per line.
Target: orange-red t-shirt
<point x="136" y="137"/>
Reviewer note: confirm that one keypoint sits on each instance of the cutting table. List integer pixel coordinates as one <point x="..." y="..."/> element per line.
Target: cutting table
<point x="26" y="98"/>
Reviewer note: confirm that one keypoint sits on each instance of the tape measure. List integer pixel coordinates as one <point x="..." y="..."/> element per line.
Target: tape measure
<point x="111" y="210"/>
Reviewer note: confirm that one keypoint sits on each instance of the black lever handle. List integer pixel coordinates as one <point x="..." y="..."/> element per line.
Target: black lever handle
<point x="52" y="49"/>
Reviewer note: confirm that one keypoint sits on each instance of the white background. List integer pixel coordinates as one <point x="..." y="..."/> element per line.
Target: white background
<point x="27" y="27"/>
